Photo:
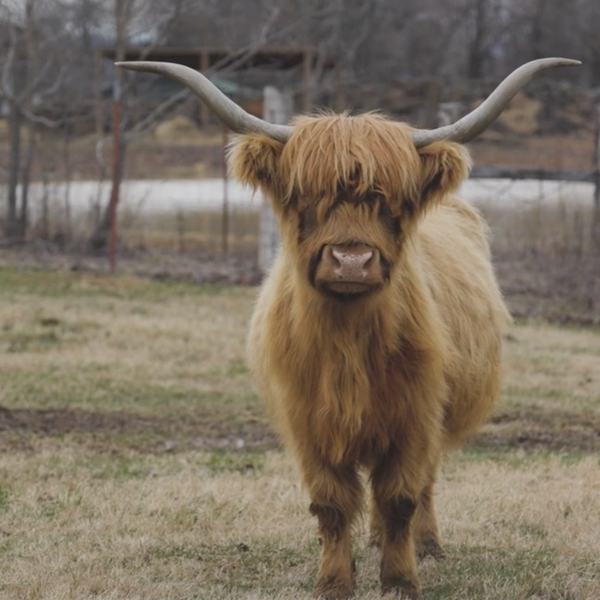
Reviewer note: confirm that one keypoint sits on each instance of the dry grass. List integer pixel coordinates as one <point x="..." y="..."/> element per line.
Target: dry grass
<point x="200" y="526"/>
<point x="541" y="226"/>
<point x="546" y="260"/>
<point x="193" y="230"/>
<point x="128" y="329"/>
<point x="122" y="403"/>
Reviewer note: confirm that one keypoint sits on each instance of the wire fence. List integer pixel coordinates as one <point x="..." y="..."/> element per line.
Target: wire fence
<point x="215" y="215"/>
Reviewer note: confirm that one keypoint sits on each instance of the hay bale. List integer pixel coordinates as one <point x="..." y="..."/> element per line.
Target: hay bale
<point x="177" y="129"/>
<point x="522" y="115"/>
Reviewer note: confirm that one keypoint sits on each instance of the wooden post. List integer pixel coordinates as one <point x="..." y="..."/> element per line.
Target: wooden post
<point x="277" y="109"/>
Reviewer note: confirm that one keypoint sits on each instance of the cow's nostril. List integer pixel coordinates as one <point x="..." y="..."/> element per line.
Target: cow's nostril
<point x="370" y="260"/>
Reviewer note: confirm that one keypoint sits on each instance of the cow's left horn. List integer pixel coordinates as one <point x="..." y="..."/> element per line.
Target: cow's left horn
<point x="232" y="115"/>
<point x="477" y="121"/>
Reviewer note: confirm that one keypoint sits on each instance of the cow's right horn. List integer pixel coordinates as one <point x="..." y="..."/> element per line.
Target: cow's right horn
<point x="477" y="121"/>
<point x="232" y="115"/>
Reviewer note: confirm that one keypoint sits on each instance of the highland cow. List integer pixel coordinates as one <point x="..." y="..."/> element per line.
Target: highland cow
<point x="377" y="336"/>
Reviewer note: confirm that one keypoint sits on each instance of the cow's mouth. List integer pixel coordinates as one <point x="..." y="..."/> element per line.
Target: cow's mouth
<point x="346" y="287"/>
<point x="346" y="290"/>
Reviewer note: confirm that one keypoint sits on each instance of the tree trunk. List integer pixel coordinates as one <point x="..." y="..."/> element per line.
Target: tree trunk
<point x="476" y="51"/>
<point x="105" y="234"/>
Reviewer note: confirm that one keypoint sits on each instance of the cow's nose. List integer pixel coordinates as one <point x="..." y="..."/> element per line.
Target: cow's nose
<point x="350" y="259"/>
<point x="350" y="263"/>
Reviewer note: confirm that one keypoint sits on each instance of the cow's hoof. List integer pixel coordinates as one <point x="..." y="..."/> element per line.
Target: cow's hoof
<point x="401" y="587"/>
<point x="430" y="547"/>
<point x="333" y="588"/>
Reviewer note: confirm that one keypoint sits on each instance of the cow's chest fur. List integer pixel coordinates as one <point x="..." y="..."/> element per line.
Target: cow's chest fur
<point x="356" y="389"/>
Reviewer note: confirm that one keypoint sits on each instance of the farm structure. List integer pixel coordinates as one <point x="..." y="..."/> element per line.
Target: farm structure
<point x="268" y="61"/>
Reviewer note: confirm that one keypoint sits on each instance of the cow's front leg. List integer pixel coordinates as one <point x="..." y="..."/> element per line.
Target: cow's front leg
<point x="395" y="494"/>
<point x="336" y="495"/>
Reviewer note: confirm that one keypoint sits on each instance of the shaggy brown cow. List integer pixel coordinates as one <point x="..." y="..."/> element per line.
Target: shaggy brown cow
<point x="376" y="339"/>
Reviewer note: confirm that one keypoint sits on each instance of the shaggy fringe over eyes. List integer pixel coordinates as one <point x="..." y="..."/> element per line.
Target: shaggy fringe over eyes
<point x="365" y="156"/>
<point x="360" y="154"/>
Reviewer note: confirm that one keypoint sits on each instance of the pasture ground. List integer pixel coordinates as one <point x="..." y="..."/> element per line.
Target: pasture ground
<point x="136" y="461"/>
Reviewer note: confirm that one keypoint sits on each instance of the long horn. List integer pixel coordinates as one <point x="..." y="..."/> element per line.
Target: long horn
<point x="232" y="115"/>
<point x="477" y="121"/>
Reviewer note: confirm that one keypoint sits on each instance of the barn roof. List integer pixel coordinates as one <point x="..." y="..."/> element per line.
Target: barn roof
<point x="223" y="57"/>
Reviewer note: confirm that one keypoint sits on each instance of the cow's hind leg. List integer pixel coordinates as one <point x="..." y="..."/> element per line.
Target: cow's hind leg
<point x="427" y="537"/>
<point x="336" y="495"/>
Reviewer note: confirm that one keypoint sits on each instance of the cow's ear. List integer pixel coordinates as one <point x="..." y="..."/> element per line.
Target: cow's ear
<point x="445" y="166"/>
<point x="254" y="160"/>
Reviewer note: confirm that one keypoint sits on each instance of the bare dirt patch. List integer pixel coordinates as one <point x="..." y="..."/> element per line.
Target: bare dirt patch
<point x="528" y="430"/>
<point x="162" y="265"/>
<point x="119" y="432"/>
<point x="115" y="432"/>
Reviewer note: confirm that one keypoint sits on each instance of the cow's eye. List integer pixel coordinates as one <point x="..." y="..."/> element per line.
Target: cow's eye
<point x="307" y="222"/>
<point x="385" y="216"/>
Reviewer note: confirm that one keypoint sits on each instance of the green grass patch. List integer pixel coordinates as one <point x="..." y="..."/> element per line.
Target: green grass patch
<point x="4" y="496"/>
<point x="89" y="285"/>
<point x="242" y="462"/>
<point x="91" y="389"/>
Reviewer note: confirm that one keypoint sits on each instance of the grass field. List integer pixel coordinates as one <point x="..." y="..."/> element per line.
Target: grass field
<point x="136" y="461"/>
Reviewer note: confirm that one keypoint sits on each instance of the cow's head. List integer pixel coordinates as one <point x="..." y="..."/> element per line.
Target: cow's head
<point x="348" y="190"/>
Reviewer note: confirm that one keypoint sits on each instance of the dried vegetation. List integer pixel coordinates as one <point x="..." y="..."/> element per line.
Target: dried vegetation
<point x="136" y="461"/>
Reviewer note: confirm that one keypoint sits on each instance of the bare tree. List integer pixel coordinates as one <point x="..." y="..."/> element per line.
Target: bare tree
<point x="29" y="77"/>
<point x="135" y="22"/>
<point x="374" y="43"/>
<point x="589" y="26"/>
